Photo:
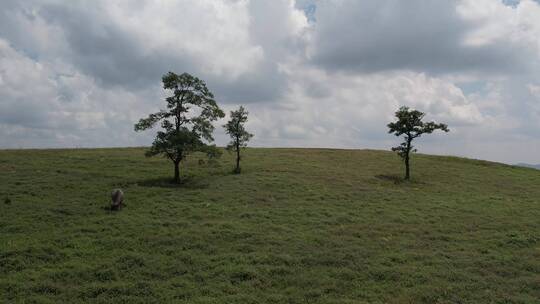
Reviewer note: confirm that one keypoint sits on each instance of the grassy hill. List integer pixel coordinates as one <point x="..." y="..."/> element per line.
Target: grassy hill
<point x="297" y="226"/>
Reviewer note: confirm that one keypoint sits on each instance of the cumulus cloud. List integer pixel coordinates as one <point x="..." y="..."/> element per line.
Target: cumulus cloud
<point x="353" y="112"/>
<point x="312" y="73"/>
<point x="131" y="43"/>
<point x="433" y="37"/>
<point x="534" y="90"/>
<point x="42" y="106"/>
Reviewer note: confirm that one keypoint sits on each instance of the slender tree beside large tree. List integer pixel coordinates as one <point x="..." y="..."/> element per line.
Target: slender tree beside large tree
<point x="409" y="123"/>
<point x="187" y="121"/>
<point x="239" y="136"/>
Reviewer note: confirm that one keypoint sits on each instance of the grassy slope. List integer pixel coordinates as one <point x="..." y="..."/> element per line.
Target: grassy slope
<point x="298" y="226"/>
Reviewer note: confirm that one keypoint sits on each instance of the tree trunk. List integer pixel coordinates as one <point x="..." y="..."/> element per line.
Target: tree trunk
<point x="237" y="170"/>
<point x="177" y="172"/>
<point x="407" y="166"/>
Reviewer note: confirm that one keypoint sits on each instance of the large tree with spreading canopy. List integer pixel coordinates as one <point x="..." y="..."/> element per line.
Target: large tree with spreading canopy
<point x="186" y="123"/>
<point x="409" y="123"/>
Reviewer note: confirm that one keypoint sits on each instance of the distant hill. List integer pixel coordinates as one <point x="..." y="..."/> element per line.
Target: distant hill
<point x="297" y="226"/>
<point x="529" y="165"/>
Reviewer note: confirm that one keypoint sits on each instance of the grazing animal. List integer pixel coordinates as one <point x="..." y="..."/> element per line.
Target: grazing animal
<point x="117" y="199"/>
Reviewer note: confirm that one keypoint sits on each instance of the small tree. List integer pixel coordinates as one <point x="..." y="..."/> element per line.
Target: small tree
<point x="186" y="123"/>
<point x="409" y="122"/>
<point x="239" y="135"/>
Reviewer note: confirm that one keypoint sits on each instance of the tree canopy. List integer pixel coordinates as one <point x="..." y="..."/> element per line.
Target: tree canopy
<point x="239" y="136"/>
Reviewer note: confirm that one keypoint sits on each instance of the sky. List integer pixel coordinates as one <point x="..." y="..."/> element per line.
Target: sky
<point x="311" y="73"/>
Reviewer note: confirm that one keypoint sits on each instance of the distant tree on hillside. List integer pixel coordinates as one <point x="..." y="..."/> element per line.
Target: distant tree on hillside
<point x="239" y="135"/>
<point x="409" y="123"/>
<point x="187" y="122"/>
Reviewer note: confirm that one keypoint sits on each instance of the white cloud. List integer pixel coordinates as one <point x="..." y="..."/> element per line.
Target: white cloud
<point x="214" y="33"/>
<point x="63" y="109"/>
<point x="353" y="111"/>
<point x="80" y="74"/>
<point x="534" y="90"/>
<point x="496" y="22"/>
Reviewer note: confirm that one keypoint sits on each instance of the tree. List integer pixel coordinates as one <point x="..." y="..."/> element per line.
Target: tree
<point x="187" y="122"/>
<point x="239" y="135"/>
<point x="409" y="122"/>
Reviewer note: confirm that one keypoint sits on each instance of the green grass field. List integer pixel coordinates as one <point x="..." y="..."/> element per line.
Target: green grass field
<point x="297" y="226"/>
